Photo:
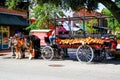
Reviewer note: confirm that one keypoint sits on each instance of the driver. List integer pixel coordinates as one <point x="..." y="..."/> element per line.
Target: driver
<point x="18" y="35"/>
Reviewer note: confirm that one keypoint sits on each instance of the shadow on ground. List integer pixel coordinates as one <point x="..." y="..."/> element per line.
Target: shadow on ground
<point x="3" y="54"/>
<point x="71" y="57"/>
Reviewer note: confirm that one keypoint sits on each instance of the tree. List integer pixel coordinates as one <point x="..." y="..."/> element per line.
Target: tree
<point x="89" y="25"/>
<point x="17" y="4"/>
<point x="43" y="14"/>
<point x="112" y="22"/>
<point x="90" y="4"/>
<point x="113" y="7"/>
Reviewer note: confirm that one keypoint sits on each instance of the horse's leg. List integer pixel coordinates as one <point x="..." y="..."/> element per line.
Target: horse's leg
<point x="23" y="51"/>
<point x="23" y="54"/>
<point x="20" y="54"/>
<point x="32" y="54"/>
<point x="16" y="53"/>
<point x="20" y="48"/>
<point x="31" y="50"/>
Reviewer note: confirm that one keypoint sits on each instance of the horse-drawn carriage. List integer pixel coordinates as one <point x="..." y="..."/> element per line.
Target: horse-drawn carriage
<point x="88" y="48"/>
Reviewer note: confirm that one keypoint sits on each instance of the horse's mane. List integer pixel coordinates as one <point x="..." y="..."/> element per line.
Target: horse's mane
<point x="33" y="40"/>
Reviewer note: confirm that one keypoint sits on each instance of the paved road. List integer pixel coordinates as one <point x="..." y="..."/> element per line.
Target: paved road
<point x="38" y="69"/>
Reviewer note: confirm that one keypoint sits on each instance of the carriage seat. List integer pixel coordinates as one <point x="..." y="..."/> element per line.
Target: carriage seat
<point x="47" y="40"/>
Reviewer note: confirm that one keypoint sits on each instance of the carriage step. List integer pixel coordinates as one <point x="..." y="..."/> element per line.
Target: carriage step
<point x="72" y="50"/>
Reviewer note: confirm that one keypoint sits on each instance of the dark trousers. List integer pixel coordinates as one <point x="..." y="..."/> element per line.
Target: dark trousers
<point x="65" y="52"/>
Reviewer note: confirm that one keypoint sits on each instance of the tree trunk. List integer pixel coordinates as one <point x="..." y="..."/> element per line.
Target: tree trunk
<point x="112" y="7"/>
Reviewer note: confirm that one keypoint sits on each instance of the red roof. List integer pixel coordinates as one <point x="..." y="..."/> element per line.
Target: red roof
<point x="14" y="12"/>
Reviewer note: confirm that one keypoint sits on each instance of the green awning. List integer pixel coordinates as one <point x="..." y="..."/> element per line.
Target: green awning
<point x="12" y="20"/>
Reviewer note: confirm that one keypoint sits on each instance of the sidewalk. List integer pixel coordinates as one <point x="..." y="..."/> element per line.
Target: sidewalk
<point x="4" y="52"/>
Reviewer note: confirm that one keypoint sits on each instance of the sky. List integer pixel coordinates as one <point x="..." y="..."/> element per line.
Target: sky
<point x="100" y="7"/>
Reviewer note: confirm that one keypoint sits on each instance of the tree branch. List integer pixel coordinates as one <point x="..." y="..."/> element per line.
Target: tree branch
<point x="110" y="5"/>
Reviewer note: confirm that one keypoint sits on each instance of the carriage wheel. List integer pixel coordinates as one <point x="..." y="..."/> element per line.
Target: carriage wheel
<point x="47" y="53"/>
<point x="84" y="53"/>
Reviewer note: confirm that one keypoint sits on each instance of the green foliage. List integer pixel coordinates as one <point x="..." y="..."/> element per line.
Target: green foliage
<point x="89" y="25"/>
<point x="112" y="22"/>
<point x="65" y="4"/>
<point x="17" y="5"/>
<point x="43" y="14"/>
<point x="75" y="5"/>
<point x="118" y="4"/>
<point x="12" y="4"/>
<point x="118" y="35"/>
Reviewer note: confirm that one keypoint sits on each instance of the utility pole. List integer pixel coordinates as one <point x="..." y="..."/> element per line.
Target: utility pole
<point x="28" y="4"/>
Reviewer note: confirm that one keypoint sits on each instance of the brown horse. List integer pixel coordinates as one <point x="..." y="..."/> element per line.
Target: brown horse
<point x="21" y="45"/>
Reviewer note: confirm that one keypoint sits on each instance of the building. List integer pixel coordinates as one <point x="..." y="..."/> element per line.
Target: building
<point x="89" y="15"/>
<point x="84" y="16"/>
<point x="10" y="21"/>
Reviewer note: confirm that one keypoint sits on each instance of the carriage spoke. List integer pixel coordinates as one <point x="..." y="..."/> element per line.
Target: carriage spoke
<point x="88" y="57"/>
<point x="84" y="53"/>
<point x="47" y="53"/>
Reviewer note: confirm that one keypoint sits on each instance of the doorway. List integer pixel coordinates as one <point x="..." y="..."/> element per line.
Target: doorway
<point x="4" y="37"/>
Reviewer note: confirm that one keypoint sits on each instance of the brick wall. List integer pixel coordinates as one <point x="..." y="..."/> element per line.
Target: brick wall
<point x="84" y="12"/>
